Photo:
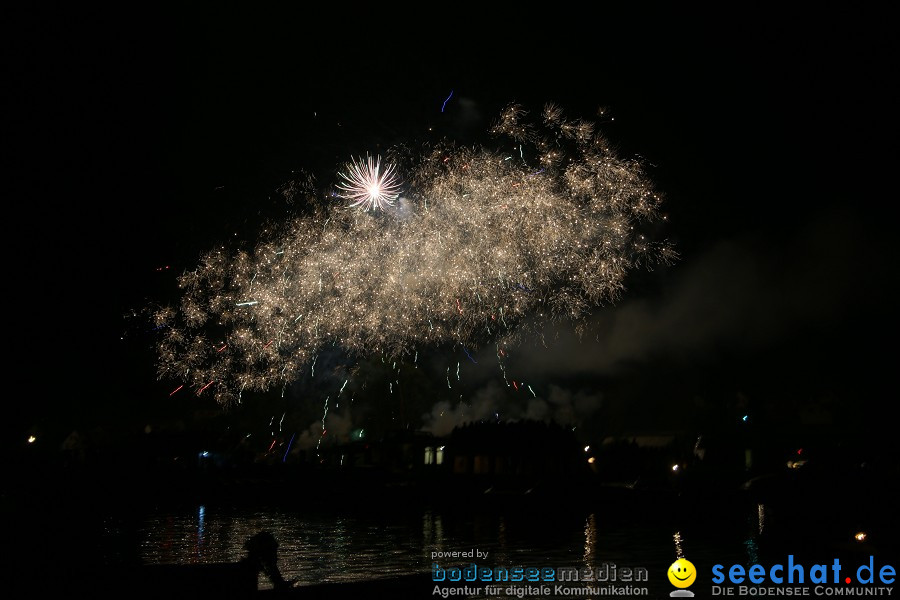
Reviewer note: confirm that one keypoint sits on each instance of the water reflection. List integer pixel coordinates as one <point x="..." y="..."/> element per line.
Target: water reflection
<point x="679" y="550"/>
<point x="329" y="547"/>
<point x="590" y="539"/>
<point x="761" y="517"/>
<point x="313" y="548"/>
<point x="201" y="527"/>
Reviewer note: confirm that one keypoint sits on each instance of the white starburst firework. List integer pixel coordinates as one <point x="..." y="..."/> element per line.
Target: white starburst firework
<point x="366" y="186"/>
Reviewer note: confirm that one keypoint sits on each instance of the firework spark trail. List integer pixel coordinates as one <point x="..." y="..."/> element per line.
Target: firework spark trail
<point x="470" y="356"/>
<point x="324" y="416"/>
<point x="486" y="252"/>
<point x="288" y="451"/>
<point x="444" y="105"/>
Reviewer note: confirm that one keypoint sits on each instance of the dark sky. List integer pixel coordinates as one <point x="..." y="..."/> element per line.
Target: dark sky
<point x="135" y="141"/>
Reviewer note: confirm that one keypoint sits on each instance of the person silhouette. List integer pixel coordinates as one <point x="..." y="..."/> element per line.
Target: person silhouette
<point x="262" y="555"/>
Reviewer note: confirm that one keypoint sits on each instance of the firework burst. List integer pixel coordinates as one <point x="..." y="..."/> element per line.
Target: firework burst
<point x="494" y="245"/>
<point x="366" y="186"/>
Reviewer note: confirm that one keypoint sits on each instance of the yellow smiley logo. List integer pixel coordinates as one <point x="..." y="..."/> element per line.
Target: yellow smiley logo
<point x="682" y="573"/>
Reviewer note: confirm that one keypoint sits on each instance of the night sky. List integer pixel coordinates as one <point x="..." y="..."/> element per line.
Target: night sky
<point x="134" y="142"/>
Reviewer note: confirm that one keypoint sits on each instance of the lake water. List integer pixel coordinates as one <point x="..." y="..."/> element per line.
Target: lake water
<point x="337" y="546"/>
<point x="349" y="535"/>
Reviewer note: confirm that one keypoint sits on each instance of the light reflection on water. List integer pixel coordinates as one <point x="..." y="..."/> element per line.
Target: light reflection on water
<point x="323" y="547"/>
<point x="312" y="548"/>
